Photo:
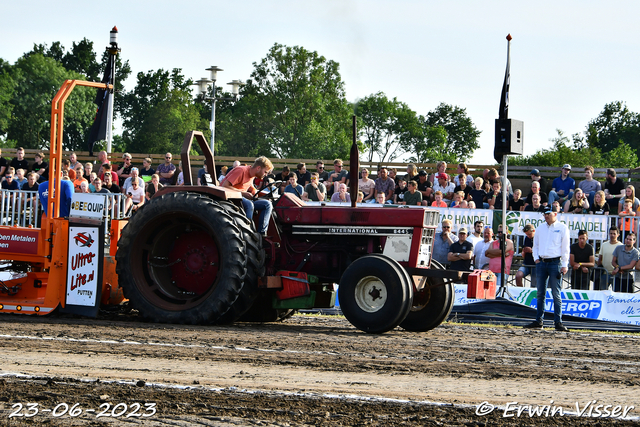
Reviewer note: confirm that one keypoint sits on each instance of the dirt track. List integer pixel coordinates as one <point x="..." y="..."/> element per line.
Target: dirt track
<point x="307" y="370"/>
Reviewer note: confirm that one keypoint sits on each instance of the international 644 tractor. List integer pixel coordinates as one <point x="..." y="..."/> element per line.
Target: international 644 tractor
<point x="190" y="255"/>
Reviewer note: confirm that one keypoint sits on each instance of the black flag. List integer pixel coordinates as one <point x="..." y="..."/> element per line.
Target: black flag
<point x="504" y="96"/>
<point x="104" y="101"/>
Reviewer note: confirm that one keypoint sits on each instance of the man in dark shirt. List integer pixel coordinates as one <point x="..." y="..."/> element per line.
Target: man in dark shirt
<point x="9" y="183"/>
<point x="19" y="162"/>
<point x="535" y="176"/>
<point x="323" y="175"/>
<point x="581" y="259"/>
<point x="535" y="189"/>
<point x="109" y="184"/>
<point x="614" y="190"/>
<point x="424" y="187"/>
<point x="528" y="264"/>
<point x="3" y="164"/>
<point x="460" y="252"/>
<point x="40" y="167"/>
<point x="303" y="175"/>
<point x="462" y="179"/>
<point x="535" y="205"/>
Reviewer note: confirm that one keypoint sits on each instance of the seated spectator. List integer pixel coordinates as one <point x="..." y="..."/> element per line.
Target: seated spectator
<point x="153" y="186"/>
<point x="19" y="162"/>
<point x="124" y="171"/>
<point x="495" y="198"/>
<point x="339" y="176"/>
<point x="102" y="159"/>
<point x="380" y="199"/>
<point x="463" y="169"/>
<point x="412" y="197"/>
<point x="223" y="173"/>
<point x="626" y="223"/>
<point x="495" y="176"/>
<point x="79" y="178"/>
<point x="133" y="177"/>
<point x="438" y="202"/>
<point x="478" y="195"/>
<point x="581" y="259"/>
<point x="366" y="185"/>
<point x="464" y="186"/>
<point x="562" y="187"/>
<point x="412" y="173"/>
<point x="166" y="170"/>
<point x="360" y="197"/>
<point x="630" y="193"/>
<point x="555" y="207"/>
<point x="442" y="243"/>
<point x="135" y="197"/>
<point x="535" y="205"/>
<point x="393" y="174"/>
<point x="32" y="182"/>
<point x="441" y="167"/>
<point x="73" y="160"/>
<point x="293" y="187"/>
<point x="384" y="185"/>
<point x="180" y="180"/>
<point x="19" y="178"/>
<point x="110" y="184"/>
<point x="471" y="204"/>
<point x="458" y="197"/>
<point x="9" y="183"/>
<point x="460" y="252"/>
<point x="535" y="189"/>
<point x="84" y="187"/>
<point x="494" y="253"/>
<point x="589" y="185"/>
<point x="464" y="204"/>
<point x="323" y="175"/>
<point x="97" y="183"/>
<point x="315" y="191"/>
<point x="88" y="168"/>
<point x="535" y="176"/>
<point x="303" y="175"/>
<point x="282" y="176"/>
<point x="342" y="196"/>
<point x="625" y="258"/>
<point x="108" y="170"/>
<point x="424" y="186"/>
<point x="600" y="206"/>
<point x="516" y="203"/>
<point x="40" y="167"/>
<point x="528" y="264"/>
<point x="605" y="260"/>
<point x="445" y="187"/>
<point x="578" y="203"/>
<point x="71" y="174"/>
<point x="92" y="177"/>
<point x="614" y="190"/>
<point x="401" y="189"/>
<point x="147" y="171"/>
<point x="64" y="164"/>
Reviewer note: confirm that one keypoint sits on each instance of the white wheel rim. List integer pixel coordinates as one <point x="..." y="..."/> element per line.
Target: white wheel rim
<point x="371" y="294"/>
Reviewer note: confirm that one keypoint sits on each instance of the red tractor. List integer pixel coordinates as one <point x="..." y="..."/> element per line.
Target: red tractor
<point x="190" y="255"/>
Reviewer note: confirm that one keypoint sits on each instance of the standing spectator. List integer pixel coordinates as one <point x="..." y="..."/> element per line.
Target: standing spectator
<point x="412" y="197"/>
<point x="536" y="206"/>
<point x="315" y="191"/>
<point x="384" y="185"/>
<point x="153" y="186"/>
<point x="303" y="175"/>
<point x="3" y="164"/>
<point x="581" y="259"/>
<point x="19" y="162"/>
<point x="589" y="185"/>
<point x="463" y="169"/>
<point x="614" y="190"/>
<point x="563" y="186"/>
<point x="535" y="189"/>
<point x="630" y="193"/>
<point x="339" y="175"/>
<point x="516" y="203"/>
<point x="424" y="187"/>
<point x="323" y="175"/>
<point x="147" y="171"/>
<point x="73" y="160"/>
<point x="460" y="252"/>
<point x="442" y="242"/>
<point x="578" y="203"/>
<point x="478" y="195"/>
<point x="401" y="190"/>
<point x="464" y="185"/>
<point x="551" y="255"/>
<point x="366" y="185"/>
<point x="535" y="176"/>
<point x="293" y="187"/>
<point x="40" y="167"/>
<point x="166" y="170"/>
<point x="476" y="236"/>
<point x="342" y="196"/>
<point x="124" y="171"/>
<point x="624" y="260"/>
<point x="600" y="206"/>
<point x="480" y="259"/>
<point x="438" y="202"/>
<point x="605" y="260"/>
<point x="494" y="253"/>
<point x="445" y="187"/>
<point x="529" y="265"/>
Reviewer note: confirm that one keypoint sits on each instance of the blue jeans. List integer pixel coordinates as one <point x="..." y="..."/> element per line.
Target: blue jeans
<point x="553" y="196"/>
<point x="549" y="272"/>
<point x="263" y="206"/>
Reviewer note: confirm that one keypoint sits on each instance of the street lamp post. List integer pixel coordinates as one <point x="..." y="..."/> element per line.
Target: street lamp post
<point x="202" y="88"/>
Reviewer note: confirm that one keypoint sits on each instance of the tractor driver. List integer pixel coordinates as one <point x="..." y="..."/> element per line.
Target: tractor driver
<point x="241" y="179"/>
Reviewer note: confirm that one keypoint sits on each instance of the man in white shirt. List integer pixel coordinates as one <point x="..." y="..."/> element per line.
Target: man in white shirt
<point x="551" y="255"/>
<point x="476" y="236"/>
<point x="481" y="261"/>
<point x="605" y="258"/>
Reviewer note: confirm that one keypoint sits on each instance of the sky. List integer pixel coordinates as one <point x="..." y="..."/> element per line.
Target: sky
<point x="568" y="58"/>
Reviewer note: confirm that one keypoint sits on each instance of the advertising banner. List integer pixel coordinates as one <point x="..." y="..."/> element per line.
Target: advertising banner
<point x="464" y="217"/>
<point x="19" y="241"/>
<point x="596" y="225"/>
<point x="84" y="266"/>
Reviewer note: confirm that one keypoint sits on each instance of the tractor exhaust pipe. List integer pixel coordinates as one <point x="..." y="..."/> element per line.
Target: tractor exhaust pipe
<point x="354" y="165"/>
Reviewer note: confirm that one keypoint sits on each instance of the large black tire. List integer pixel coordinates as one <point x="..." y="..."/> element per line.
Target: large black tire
<point x="255" y="264"/>
<point x="374" y="294"/>
<point x="431" y="306"/>
<point x="181" y="259"/>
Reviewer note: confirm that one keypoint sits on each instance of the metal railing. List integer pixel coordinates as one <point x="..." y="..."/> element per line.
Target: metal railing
<point x="21" y="208"/>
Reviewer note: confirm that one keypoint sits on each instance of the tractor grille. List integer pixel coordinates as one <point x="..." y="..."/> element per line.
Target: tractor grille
<point x="426" y="244"/>
<point x="431" y="218"/>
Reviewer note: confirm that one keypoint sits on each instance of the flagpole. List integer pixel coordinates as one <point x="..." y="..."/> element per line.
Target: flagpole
<point x="113" y="51"/>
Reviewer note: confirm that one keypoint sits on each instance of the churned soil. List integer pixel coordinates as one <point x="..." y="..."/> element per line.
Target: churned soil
<point x="308" y="370"/>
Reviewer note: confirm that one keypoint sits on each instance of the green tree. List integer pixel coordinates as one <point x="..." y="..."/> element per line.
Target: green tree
<point x="158" y="112"/>
<point x="388" y="127"/>
<point x="462" y="134"/>
<point x="7" y="85"/>
<point x="615" y="124"/>
<point x="431" y="147"/>
<point x="37" y="79"/>
<point x="294" y="105"/>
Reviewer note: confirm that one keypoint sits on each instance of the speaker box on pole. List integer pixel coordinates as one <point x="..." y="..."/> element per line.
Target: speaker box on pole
<point x="509" y="136"/>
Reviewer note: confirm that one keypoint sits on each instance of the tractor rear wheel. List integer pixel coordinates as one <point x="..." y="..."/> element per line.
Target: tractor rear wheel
<point x="374" y="294"/>
<point x="431" y="304"/>
<point x="181" y="259"/>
